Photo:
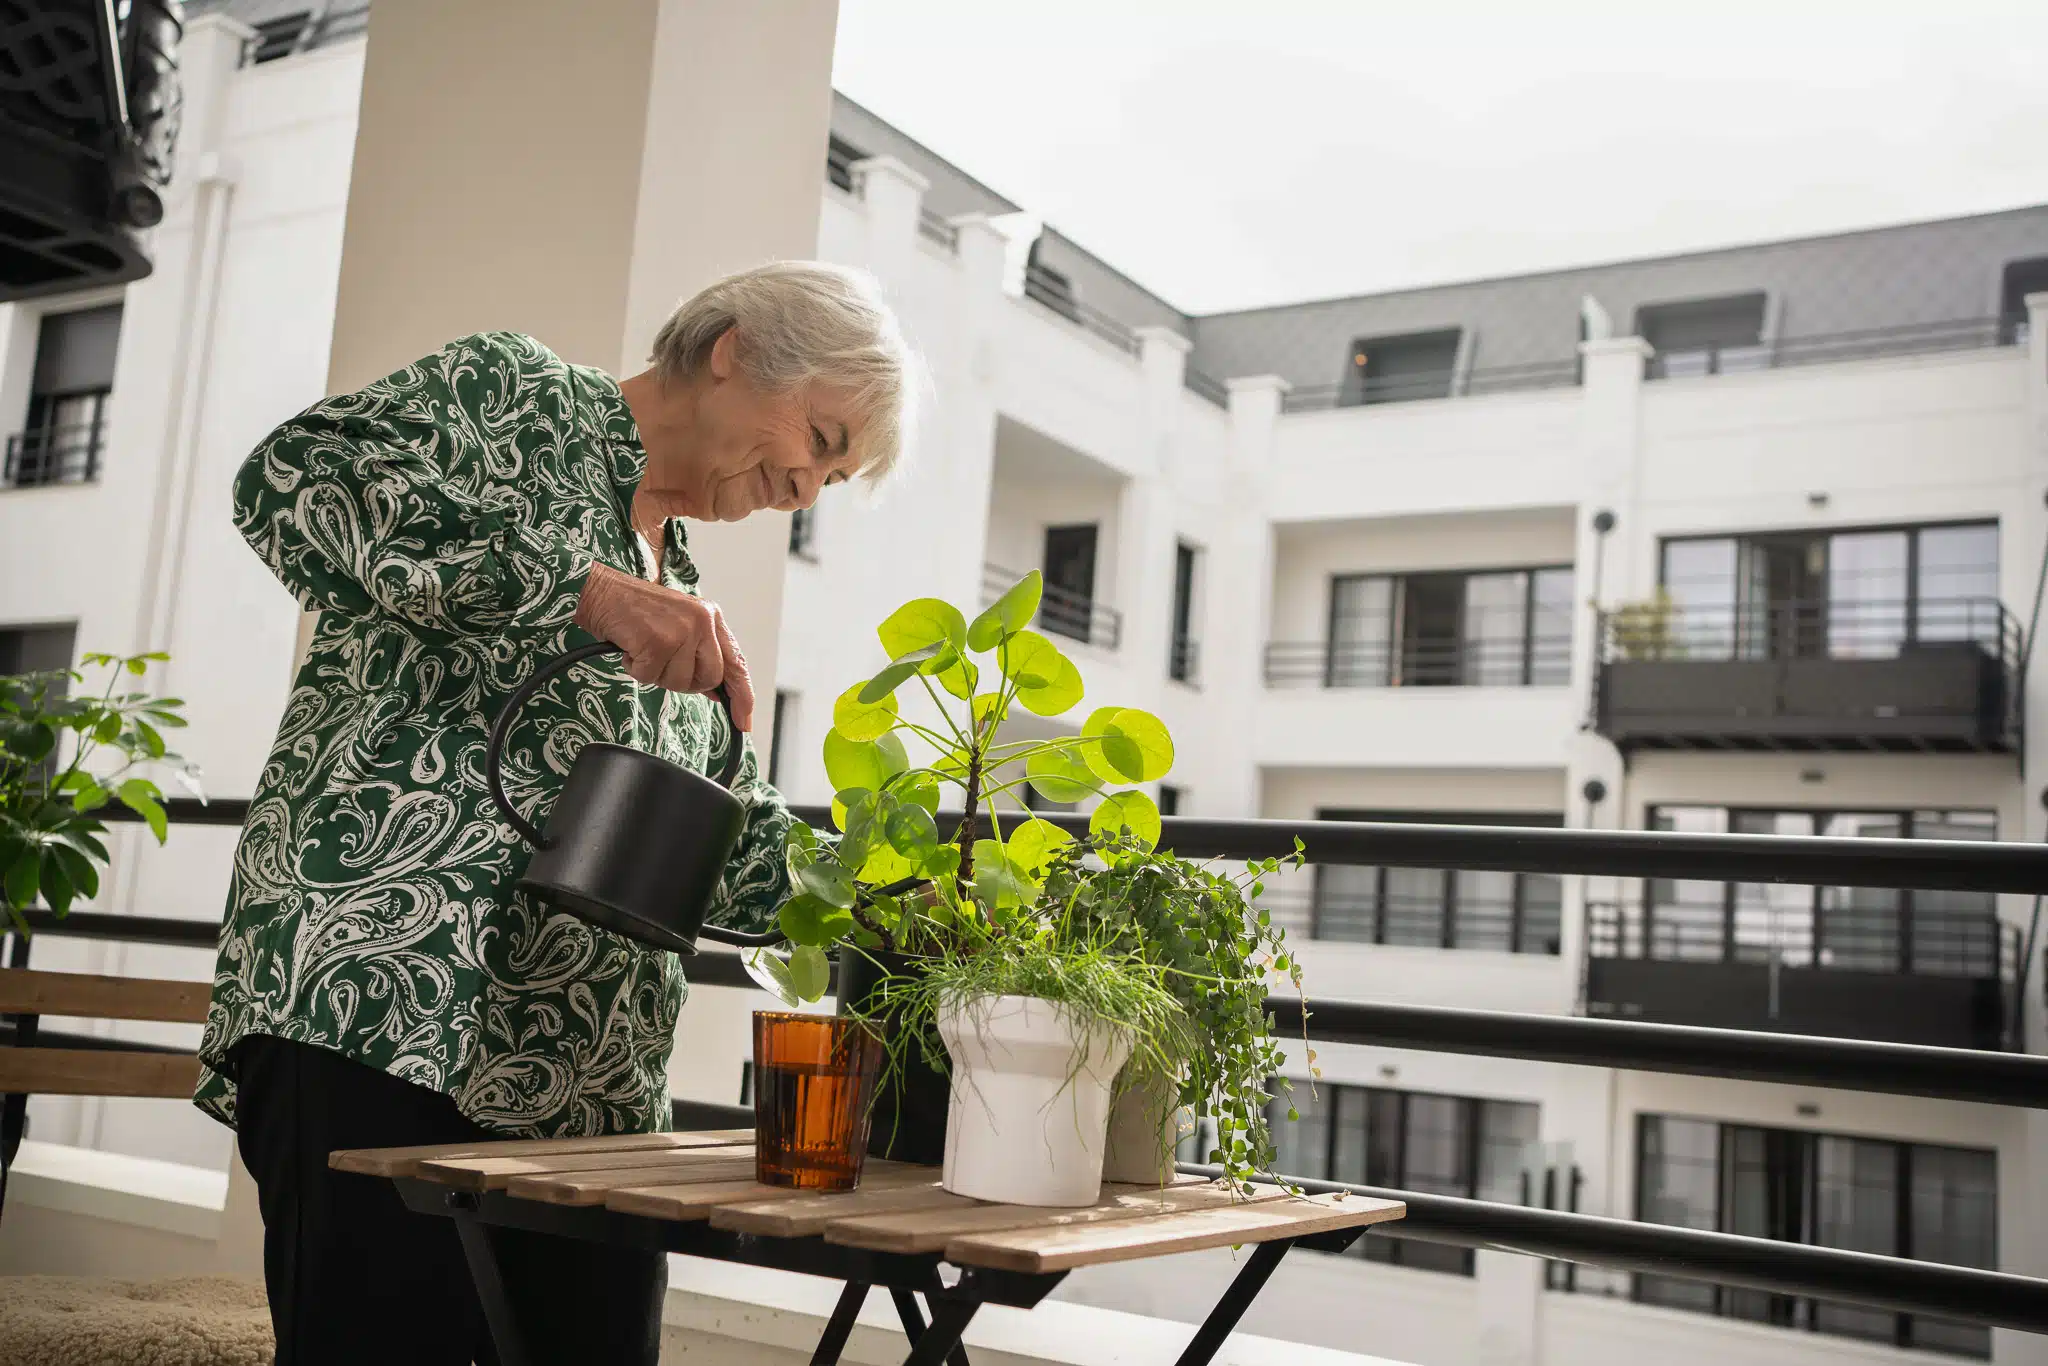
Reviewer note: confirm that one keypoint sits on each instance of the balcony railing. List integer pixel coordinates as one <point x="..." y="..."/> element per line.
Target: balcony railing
<point x="1204" y="386"/>
<point x="1936" y="674"/>
<point x="53" y="455"/>
<point x="1061" y="611"/>
<point x="1498" y="379"/>
<point x="1519" y="923"/>
<point x="934" y="228"/>
<point x="1923" y="975"/>
<point x="1909" y="340"/>
<point x="1052" y="289"/>
<point x="1503" y="659"/>
<point x="1184" y="660"/>
<point x="1894" y="1284"/>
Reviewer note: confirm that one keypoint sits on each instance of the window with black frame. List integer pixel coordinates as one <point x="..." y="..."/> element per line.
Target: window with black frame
<point x="1856" y="929"/>
<point x="1925" y="1201"/>
<point x="64" y="432"/>
<point x="1405" y="1140"/>
<point x="1803" y="594"/>
<point x="1468" y="628"/>
<point x="1437" y="907"/>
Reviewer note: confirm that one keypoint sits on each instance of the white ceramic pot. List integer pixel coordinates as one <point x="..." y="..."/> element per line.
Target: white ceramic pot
<point x="1144" y="1126"/>
<point x="1030" y="1102"/>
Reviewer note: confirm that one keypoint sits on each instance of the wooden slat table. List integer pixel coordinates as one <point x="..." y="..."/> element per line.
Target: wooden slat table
<point x="695" y="1193"/>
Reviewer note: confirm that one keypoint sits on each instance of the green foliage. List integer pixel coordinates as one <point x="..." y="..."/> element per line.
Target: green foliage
<point x="50" y="839"/>
<point x="1151" y="946"/>
<point x="1649" y="629"/>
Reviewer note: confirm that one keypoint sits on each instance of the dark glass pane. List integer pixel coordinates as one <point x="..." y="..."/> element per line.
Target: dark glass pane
<point x="1699" y="576"/>
<point x="1414" y="906"/>
<point x="1507" y="1145"/>
<point x="1302" y="1145"/>
<point x="1688" y="919"/>
<point x="1867" y="591"/>
<point x="1856" y="1208"/>
<point x="1955" y="933"/>
<point x="1542" y="913"/>
<point x="1432" y="611"/>
<point x="1859" y="926"/>
<point x="1550" y="627"/>
<point x="1954" y="1196"/>
<point x="1678" y="1170"/>
<point x="1347" y="903"/>
<point x="1361" y="631"/>
<point x="1773" y="918"/>
<point x="1352" y="1120"/>
<point x="1496" y="629"/>
<point x="1485" y="917"/>
<point x="1957" y="582"/>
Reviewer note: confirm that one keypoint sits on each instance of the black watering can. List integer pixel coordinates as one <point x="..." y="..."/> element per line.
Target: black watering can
<point x="634" y="843"/>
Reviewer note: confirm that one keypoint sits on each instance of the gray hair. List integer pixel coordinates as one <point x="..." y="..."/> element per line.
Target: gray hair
<point x="804" y="322"/>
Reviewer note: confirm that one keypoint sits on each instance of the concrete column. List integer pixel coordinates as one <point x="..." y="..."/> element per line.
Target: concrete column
<point x="962" y="446"/>
<point x="572" y="171"/>
<point x="1143" y="589"/>
<point x="894" y="197"/>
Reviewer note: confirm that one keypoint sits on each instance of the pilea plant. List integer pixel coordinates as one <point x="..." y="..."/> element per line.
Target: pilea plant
<point x="1170" y="951"/>
<point x="50" y="844"/>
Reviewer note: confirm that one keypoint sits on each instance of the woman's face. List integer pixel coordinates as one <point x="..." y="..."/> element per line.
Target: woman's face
<point x="740" y="450"/>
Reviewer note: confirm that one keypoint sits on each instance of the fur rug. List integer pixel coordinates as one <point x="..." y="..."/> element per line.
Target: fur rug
<point x="181" y="1321"/>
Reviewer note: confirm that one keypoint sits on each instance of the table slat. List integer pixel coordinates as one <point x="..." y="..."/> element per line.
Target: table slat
<point x="931" y="1230"/>
<point x="1063" y="1247"/>
<point x="405" y="1161"/>
<point x="800" y="1215"/>
<point x="691" y="1201"/>
<point x="494" y="1173"/>
<point x="588" y="1188"/>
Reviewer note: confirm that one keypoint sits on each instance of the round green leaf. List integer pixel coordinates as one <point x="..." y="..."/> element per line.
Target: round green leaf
<point x="863" y="763"/>
<point x="919" y="787"/>
<point x="921" y="622"/>
<point x="810" y="973"/>
<point x="959" y="677"/>
<point x="1033" y="842"/>
<point x="1058" y="776"/>
<point x="1153" y="740"/>
<point x="983" y="704"/>
<point x="1133" y="811"/>
<point x="891" y="678"/>
<point x="884" y="866"/>
<point x="804" y="919"/>
<point x="770" y="972"/>
<point x="1008" y="614"/>
<point x="912" y="832"/>
<point x="829" y="883"/>
<point x="1048" y="683"/>
<point x="997" y="882"/>
<point x="863" y="721"/>
<point x="1111" y="755"/>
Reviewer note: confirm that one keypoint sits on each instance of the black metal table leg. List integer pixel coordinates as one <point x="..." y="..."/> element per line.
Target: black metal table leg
<point x="840" y="1326"/>
<point x="1223" y="1318"/>
<point x="950" y="1318"/>
<point x="913" y="1325"/>
<point x="490" y="1283"/>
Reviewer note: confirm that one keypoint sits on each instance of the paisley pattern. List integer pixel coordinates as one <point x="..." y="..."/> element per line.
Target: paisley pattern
<point x="443" y="521"/>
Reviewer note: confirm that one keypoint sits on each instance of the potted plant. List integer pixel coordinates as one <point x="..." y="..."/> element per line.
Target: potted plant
<point x="50" y="845"/>
<point x="1148" y="972"/>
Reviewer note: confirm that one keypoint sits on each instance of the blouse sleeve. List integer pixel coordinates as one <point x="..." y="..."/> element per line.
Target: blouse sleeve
<point x="410" y="500"/>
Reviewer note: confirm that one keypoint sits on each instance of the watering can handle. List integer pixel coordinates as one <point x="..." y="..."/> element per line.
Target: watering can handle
<point x="494" y="757"/>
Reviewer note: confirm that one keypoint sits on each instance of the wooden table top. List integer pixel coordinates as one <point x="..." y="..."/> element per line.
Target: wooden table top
<point x="898" y="1207"/>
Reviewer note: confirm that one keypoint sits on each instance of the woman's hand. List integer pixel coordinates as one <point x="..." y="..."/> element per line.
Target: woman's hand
<point x="671" y="639"/>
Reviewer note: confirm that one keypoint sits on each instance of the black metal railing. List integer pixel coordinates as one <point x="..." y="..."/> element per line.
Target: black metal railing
<point x="1184" y="660"/>
<point x="1954" y="1293"/>
<point x="1061" y="611"/>
<point x="1051" y="289"/>
<point x="1374" y="390"/>
<point x="1916" y="941"/>
<point x="1505" y="659"/>
<point x="934" y="228"/>
<point x="1849" y="628"/>
<point x="1518" y="923"/>
<point x="1967" y="334"/>
<point x="43" y="456"/>
<point x="1203" y="386"/>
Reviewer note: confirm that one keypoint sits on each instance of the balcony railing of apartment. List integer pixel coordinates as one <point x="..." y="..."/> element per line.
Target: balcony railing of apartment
<point x="1928" y="676"/>
<point x="1497" y="379"/>
<point x="1496" y="659"/>
<point x="54" y="455"/>
<point x="1204" y="386"/>
<point x="1924" y="975"/>
<point x="1184" y="660"/>
<point x="1524" y="921"/>
<point x="1050" y="288"/>
<point x="1077" y="616"/>
<point x="936" y="229"/>
<point x="1942" y="1291"/>
<point x="1908" y="340"/>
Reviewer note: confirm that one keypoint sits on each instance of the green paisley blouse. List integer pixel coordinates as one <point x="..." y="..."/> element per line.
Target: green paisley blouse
<point x="443" y="520"/>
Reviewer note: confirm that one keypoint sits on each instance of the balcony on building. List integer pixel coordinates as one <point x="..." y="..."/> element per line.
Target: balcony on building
<point x="63" y="432"/>
<point x="1887" y="639"/>
<point x="1505" y="628"/>
<point x="1931" y="968"/>
<point x="1055" y="509"/>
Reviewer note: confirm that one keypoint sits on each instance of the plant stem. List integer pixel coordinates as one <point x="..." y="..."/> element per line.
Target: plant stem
<point x="967" y="830"/>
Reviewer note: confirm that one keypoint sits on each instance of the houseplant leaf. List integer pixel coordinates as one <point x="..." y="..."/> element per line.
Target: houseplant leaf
<point x="921" y="622"/>
<point x="810" y="972"/>
<point x="805" y="919"/>
<point x="863" y="763"/>
<point x="1133" y="811"/>
<point x="863" y="721"/>
<point x="1058" y="776"/>
<point x="1048" y="683"/>
<point x="1033" y="842"/>
<point x="1008" y="614"/>
<point x="898" y="669"/>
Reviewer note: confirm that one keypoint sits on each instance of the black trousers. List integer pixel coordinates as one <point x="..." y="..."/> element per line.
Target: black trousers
<point x="355" y="1277"/>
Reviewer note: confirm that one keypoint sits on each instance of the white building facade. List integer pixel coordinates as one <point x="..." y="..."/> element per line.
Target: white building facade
<point x="1742" y="541"/>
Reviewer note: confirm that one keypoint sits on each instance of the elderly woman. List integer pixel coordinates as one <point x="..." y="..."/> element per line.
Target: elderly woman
<point x="381" y="982"/>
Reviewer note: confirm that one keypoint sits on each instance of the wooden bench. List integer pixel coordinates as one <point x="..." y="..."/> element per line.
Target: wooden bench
<point x="27" y="1069"/>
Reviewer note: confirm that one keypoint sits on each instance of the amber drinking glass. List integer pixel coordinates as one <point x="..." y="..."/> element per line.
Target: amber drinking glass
<point x="813" y="1078"/>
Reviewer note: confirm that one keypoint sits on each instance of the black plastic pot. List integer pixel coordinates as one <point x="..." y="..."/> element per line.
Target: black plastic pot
<point x="909" y="1123"/>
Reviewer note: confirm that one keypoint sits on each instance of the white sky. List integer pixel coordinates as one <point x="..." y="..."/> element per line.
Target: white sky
<point x="1233" y="153"/>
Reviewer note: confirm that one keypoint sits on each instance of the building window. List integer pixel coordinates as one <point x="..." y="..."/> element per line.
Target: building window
<point x="1068" y="604"/>
<point x="1493" y="628"/>
<point x="40" y="650"/>
<point x="840" y="155"/>
<point x="74" y="374"/>
<point x="2021" y="279"/>
<point x="1398" y="369"/>
<point x="1439" y="908"/>
<point x="1864" y="594"/>
<point x="803" y="533"/>
<point x="1855" y="929"/>
<point x="1704" y="336"/>
<point x="1169" y="800"/>
<point x="1183" y="657"/>
<point x="779" y="737"/>
<point x="1917" y="1200"/>
<point x="1407" y="1140"/>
